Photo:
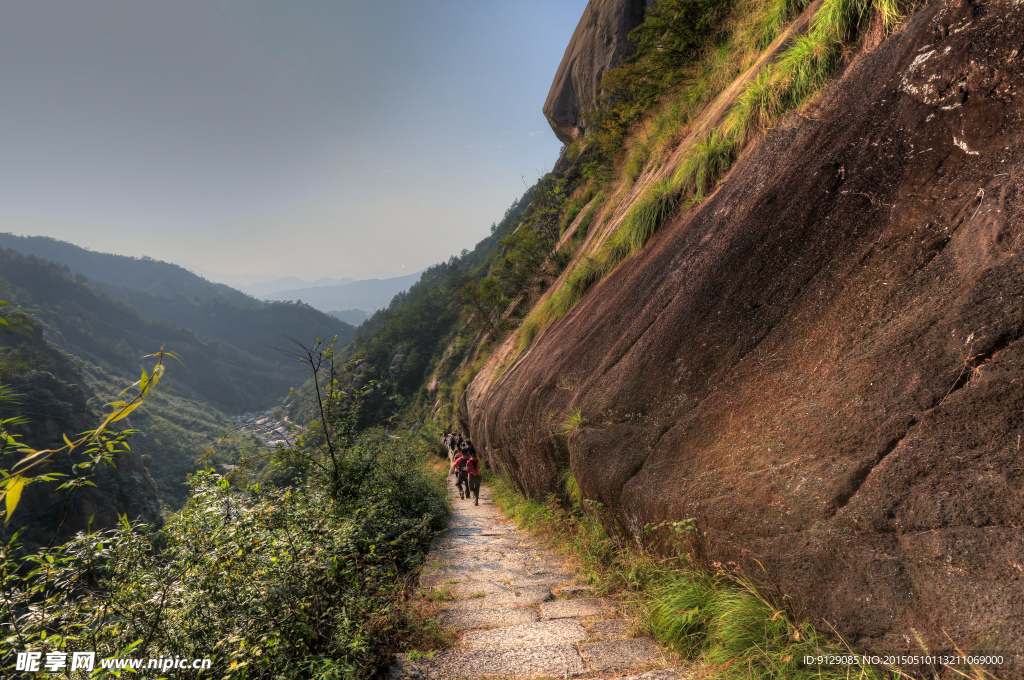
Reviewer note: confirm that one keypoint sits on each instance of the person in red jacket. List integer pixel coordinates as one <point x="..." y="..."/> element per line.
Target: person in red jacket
<point x="473" y="473"/>
<point x="459" y="467"/>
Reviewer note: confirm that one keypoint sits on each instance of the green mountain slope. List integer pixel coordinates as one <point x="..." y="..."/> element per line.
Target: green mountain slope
<point x="48" y="392"/>
<point x="105" y="339"/>
<point x="145" y="274"/>
<point x="166" y="291"/>
<point x="90" y="324"/>
<point x="264" y="329"/>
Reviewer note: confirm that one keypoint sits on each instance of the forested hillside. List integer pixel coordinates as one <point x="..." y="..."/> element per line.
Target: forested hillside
<point x="166" y="291"/>
<point x="266" y="329"/>
<point x="89" y="324"/>
<point x="320" y="555"/>
<point x="48" y="397"/>
<point x="106" y="339"/>
<point x="134" y="273"/>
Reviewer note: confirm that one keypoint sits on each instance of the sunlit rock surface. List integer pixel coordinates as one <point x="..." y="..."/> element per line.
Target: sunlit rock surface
<point x="598" y="44"/>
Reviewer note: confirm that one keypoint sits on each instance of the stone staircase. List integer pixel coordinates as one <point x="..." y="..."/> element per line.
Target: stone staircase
<point x="519" y="613"/>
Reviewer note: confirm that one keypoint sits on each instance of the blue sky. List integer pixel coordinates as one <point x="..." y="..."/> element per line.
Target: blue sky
<point x="267" y="138"/>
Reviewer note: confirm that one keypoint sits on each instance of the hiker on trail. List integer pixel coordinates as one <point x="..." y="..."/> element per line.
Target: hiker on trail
<point x="459" y="468"/>
<point x="473" y="476"/>
<point x="449" y="439"/>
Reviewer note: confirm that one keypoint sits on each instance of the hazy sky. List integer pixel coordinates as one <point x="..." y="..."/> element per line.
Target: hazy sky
<point x="302" y="137"/>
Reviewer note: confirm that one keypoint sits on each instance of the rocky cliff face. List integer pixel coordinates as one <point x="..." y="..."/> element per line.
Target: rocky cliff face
<point x="598" y="44"/>
<point x="822" y="364"/>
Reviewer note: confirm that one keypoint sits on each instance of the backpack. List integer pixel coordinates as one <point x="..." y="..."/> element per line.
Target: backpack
<point x="460" y="465"/>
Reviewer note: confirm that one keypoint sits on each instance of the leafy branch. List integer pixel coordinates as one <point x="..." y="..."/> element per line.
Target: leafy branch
<point x="16" y="320"/>
<point x="100" y="445"/>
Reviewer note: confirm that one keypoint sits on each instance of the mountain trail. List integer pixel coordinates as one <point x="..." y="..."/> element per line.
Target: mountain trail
<point x="519" y="612"/>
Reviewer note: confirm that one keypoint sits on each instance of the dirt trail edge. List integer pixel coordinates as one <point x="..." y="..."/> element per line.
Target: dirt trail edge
<point x="519" y="613"/>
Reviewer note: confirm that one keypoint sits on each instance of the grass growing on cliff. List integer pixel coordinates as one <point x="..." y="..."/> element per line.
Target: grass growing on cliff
<point x="588" y="218"/>
<point x="574" y="208"/>
<point x="770" y="20"/>
<point x="570" y="423"/>
<point x="782" y="86"/>
<point x="717" y="616"/>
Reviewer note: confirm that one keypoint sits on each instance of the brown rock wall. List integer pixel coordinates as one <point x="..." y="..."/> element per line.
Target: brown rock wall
<point x="822" y="365"/>
<point x="598" y="44"/>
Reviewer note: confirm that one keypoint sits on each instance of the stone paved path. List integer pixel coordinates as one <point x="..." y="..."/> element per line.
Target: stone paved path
<point x="518" y="612"/>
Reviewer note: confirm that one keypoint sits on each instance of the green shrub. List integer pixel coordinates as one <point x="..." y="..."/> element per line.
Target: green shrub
<point x="668" y="44"/>
<point x="269" y="583"/>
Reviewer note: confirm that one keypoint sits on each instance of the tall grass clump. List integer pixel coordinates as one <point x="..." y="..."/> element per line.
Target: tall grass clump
<point x="572" y="490"/>
<point x="745" y="624"/>
<point x="889" y="13"/>
<point x="641" y="222"/>
<point x="680" y="609"/>
<point x="585" y="274"/>
<point x="528" y="331"/>
<point x="808" y="63"/>
<point x="570" y="423"/>
<point x="588" y="217"/>
<point x="770" y="20"/>
<point x="701" y="170"/>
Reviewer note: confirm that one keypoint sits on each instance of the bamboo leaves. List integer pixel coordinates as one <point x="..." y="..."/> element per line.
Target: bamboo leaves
<point x="99" y="445"/>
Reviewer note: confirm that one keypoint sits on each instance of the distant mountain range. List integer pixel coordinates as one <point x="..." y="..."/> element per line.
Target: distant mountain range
<point x="367" y="295"/>
<point x="155" y="287"/>
<point x="352" y="316"/>
<point x="265" y="289"/>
